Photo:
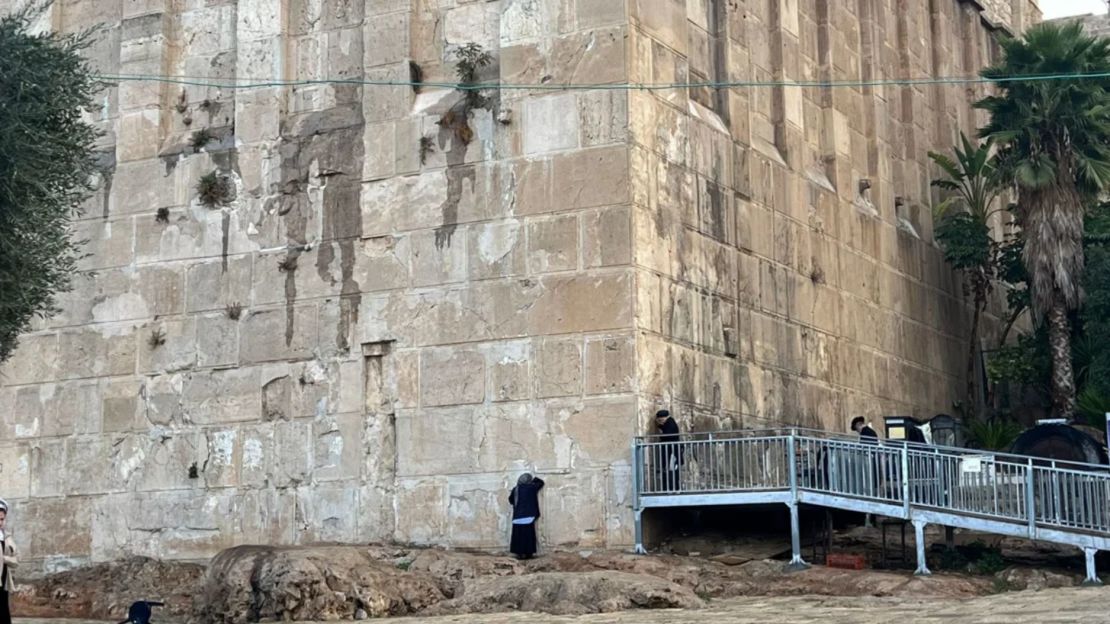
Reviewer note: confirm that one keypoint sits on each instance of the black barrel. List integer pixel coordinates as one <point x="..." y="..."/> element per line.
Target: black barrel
<point x="1061" y="443"/>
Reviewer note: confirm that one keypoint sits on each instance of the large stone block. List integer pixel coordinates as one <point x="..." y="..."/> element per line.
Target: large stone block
<point x="558" y="367"/>
<point x="120" y="406"/>
<point x="167" y="346"/>
<point x="217" y="284"/>
<point x="509" y="364"/>
<point x="452" y="376"/>
<point x="278" y="334"/>
<point x="496" y="250"/>
<point x="339" y="447"/>
<point x="103" y="351"/>
<point x="550" y="123"/>
<point x="478" y="510"/>
<point x="610" y="364"/>
<point x="436" y="260"/>
<point x="35" y="360"/>
<point x="595" y="177"/>
<point x="326" y="513"/>
<point x="426" y="503"/>
<point x="222" y="396"/>
<point x="582" y="303"/>
<point x="437" y="441"/>
<point x="553" y="244"/>
<point x="15" y="470"/>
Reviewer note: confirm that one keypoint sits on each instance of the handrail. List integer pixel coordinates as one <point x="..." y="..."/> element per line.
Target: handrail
<point x="1067" y="502"/>
<point x="938" y="448"/>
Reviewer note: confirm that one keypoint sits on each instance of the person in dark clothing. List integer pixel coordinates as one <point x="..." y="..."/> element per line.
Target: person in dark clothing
<point x="7" y="563"/>
<point x="525" y="499"/>
<point x="670" y="458"/>
<point x="866" y="434"/>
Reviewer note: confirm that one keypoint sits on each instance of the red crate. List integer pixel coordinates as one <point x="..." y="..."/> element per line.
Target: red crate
<point x="846" y="561"/>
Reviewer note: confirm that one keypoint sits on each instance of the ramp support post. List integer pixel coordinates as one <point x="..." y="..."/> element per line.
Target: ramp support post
<point x="919" y="539"/>
<point x="1092" y="579"/>
<point x="796" y="561"/>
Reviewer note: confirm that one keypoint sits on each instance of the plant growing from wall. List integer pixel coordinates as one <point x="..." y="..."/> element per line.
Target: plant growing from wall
<point x="215" y="190"/>
<point x="47" y="165"/>
<point x="470" y="59"/>
<point x="427" y="146"/>
<point x="201" y="138"/>
<point x="157" y="338"/>
<point x="1054" y="145"/>
<point x="162" y="216"/>
<point x="234" y="311"/>
<point x="964" y="233"/>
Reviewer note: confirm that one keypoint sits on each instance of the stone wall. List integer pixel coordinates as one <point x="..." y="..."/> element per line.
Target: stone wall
<point x="1095" y="24"/>
<point x="785" y="265"/>
<point x="389" y="321"/>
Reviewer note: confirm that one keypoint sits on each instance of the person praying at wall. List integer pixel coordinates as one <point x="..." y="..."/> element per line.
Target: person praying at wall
<point x="670" y="459"/>
<point x="10" y="561"/>
<point x="866" y="433"/>
<point x="525" y="499"/>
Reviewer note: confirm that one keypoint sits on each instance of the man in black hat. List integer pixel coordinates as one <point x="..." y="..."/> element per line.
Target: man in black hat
<point x="668" y="458"/>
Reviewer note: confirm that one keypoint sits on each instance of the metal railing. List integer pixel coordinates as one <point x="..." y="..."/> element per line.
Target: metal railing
<point x="1025" y="491"/>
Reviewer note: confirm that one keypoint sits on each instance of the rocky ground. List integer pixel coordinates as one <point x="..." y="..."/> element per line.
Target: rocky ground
<point x="1061" y="606"/>
<point x="250" y="584"/>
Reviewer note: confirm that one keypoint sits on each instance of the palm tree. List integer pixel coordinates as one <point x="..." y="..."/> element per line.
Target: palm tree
<point x="1054" y="141"/>
<point x="964" y="233"/>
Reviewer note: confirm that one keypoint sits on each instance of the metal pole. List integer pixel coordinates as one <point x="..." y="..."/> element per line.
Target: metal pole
<point x="796" y="561"/>
<point x="1092" y="579"/>
<point x="949" y="537"/>
<point x="1030" y="500"/>
<point x="905" y="482"/>
<point x="919" y="537"/>
<point x="637" y="487"/>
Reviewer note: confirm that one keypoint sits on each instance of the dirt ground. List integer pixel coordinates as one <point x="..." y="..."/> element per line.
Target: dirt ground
<point x="705" y="577"/>
<point x="1058" y="606"/>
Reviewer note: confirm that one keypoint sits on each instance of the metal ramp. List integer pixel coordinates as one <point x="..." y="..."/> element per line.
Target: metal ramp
<point x="1011" y="495"/>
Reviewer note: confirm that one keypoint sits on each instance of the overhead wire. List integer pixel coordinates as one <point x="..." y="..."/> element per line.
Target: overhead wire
<point x="257" y="83"/>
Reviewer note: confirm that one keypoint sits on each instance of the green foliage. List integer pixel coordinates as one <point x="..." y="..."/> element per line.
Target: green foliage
<point x="994" y="434"/>
<point x="47" y="167"/>
<point x="953" y="559"/>
<point x="215" y="190"/>
<point x="1043" y="125"/>
<point x="1095" y="314"/>
<point x="990" y="563"/>
<point x="1024" y="362"/>
<point x="966" y="241"/>
<point x="470" y="59"/>
<point x="201" y="138"/>
<point x="1093" y="406"/>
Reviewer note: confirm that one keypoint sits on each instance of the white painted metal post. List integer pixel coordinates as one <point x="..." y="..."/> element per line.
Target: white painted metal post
<point x="919" y="538"/>
<point x="1030" y="500"/>
<point x="796" y="561"/>
<point x="1092" y="579"/>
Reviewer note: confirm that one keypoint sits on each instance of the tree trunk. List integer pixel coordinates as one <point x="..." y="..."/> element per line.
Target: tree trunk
<point x="972" y="349"/>
<point x="1059" y="342"/>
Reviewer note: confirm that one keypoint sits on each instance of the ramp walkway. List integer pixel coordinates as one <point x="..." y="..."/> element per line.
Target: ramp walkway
<point x="1012" y="495"/>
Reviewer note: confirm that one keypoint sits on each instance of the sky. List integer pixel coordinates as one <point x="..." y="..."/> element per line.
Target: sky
<point x="1061" y="8"/>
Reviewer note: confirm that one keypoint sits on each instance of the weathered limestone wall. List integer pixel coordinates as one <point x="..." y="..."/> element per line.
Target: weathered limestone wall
<point x="770" y="288"/>
<point x="451" y="320"/>
<point x="378" y="333"/>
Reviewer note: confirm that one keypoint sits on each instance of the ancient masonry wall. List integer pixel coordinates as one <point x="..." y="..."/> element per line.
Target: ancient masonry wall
<point x="389" y="322"/>
<point x="785" y="267"/>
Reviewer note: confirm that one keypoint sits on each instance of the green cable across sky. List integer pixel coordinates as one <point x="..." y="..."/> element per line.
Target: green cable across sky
<point x="251" y="83"/>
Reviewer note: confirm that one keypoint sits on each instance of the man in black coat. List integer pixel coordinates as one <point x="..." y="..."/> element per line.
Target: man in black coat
<point x="670" y="458"/>
<point x="525" y="499"/>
